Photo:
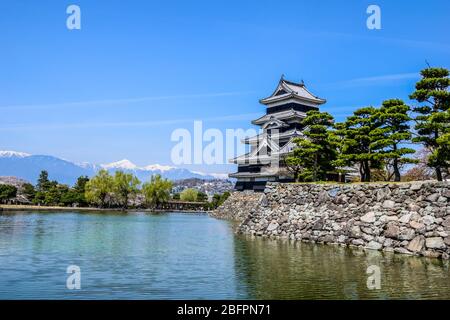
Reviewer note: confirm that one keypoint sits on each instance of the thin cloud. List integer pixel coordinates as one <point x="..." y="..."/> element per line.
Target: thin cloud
<point x="380" y="79"/>
<point x="314" y="34"/>
<point x="110" y="102"/>
<point x="396" y="41"/>
<point x="84" y="125"/>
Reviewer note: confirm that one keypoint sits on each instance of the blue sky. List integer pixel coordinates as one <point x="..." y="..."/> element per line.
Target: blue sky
<point x="137" y="70"/>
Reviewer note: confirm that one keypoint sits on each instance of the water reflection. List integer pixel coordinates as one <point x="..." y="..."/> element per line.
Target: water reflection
<point x="132" y="256"/>
<point x="185" y="256"/>
<point x="293" y="270"/>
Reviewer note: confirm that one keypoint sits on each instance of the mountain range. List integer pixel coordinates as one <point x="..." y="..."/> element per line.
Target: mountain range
<point x="28" y="167"/>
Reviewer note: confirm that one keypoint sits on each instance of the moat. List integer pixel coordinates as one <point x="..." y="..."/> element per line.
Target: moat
<point x="192" y="256"/>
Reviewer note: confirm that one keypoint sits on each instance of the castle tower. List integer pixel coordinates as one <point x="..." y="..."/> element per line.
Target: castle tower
<point x="285" y="110"/>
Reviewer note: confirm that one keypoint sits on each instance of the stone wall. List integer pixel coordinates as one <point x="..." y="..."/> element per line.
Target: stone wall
<point x="411" y="218"/>
<point x="238" y="206"/>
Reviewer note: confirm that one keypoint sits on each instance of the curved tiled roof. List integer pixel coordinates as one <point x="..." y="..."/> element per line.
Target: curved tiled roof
<point x="288" y="89"/>
<point x="286" y="114"/>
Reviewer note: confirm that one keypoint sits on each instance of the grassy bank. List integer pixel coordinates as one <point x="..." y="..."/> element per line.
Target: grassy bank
<point x="13" y="207"/>
<point x="32" y="207"/>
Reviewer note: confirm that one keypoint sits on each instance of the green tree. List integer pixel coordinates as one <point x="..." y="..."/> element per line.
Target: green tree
<point x="293" y="164"/>
<point x="433" y="118"/>
<point x="55" y="194"/>
<point x="68" y="198"/>
<point x="43" y="183"/>
<point x="47" y="191"/>
<point x="39" y="198"/>
<point x="215" y="201"/>
<point x="189" y="194"/>
<point x="7" y="192"/>
<point x="219" y="199"/>
<point x="98" y="188"/>
<point x="79" y="191"/>
<point x="71" y="197"/>
<point x="157" y="191"/>
<point x="443" y="151"/>
<point x="315" y="153"/>
<point x="391" y="134"/>
<point x="202" y="197"/>
<point x="28" y="191"/>
<point x="176" y="196"/>
<point x="356" y="141"/>
<point x="337" y="138"/>
<point x="125" y="186"/>
<point x="224" y="196"/>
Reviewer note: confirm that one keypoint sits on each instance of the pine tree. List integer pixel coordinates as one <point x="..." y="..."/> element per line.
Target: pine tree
<point x="43" y="183"/>
<point x="356" y="140"/>
<point x="315" y="152"/>
<point x="79" y="190"/>
<point x="391" y="134"/>
<point x="432" y="121"/>
<point x="443" y="152"/>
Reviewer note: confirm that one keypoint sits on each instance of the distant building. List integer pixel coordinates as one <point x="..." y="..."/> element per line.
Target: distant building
<point x="285" y="110"/>
<point x="209" y="187"/>
<point x="18" y="183"/>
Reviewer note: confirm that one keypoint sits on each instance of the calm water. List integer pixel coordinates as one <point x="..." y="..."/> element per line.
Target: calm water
<point x="185" y="256"/>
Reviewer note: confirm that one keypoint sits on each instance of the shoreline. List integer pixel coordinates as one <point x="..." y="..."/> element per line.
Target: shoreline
<point x="14" y="207"/>
<point x="407" y="218"/>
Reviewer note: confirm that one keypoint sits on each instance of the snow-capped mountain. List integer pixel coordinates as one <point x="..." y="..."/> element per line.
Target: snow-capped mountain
<point x="122" y="164"/>
<point x="144" y="173"/>
<point x="159" y="167"/>
<point x="126" y="164"/>
<point x="28" y="167"/>
<point x="11" y="154"/>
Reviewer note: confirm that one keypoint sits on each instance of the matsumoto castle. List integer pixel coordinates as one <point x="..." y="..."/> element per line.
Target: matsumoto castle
<point x="285" y="110"/>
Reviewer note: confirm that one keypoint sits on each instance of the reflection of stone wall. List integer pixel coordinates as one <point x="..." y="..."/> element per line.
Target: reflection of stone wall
<point x="284" y="269"/>
<point x="238" y="206"/>
<point x="411" y="218"/>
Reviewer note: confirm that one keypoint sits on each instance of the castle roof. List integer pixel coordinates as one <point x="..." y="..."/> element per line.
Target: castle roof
<point x="292" y="90"/>
<point x="280" y="136"/>
<point x="282" y="115"/>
